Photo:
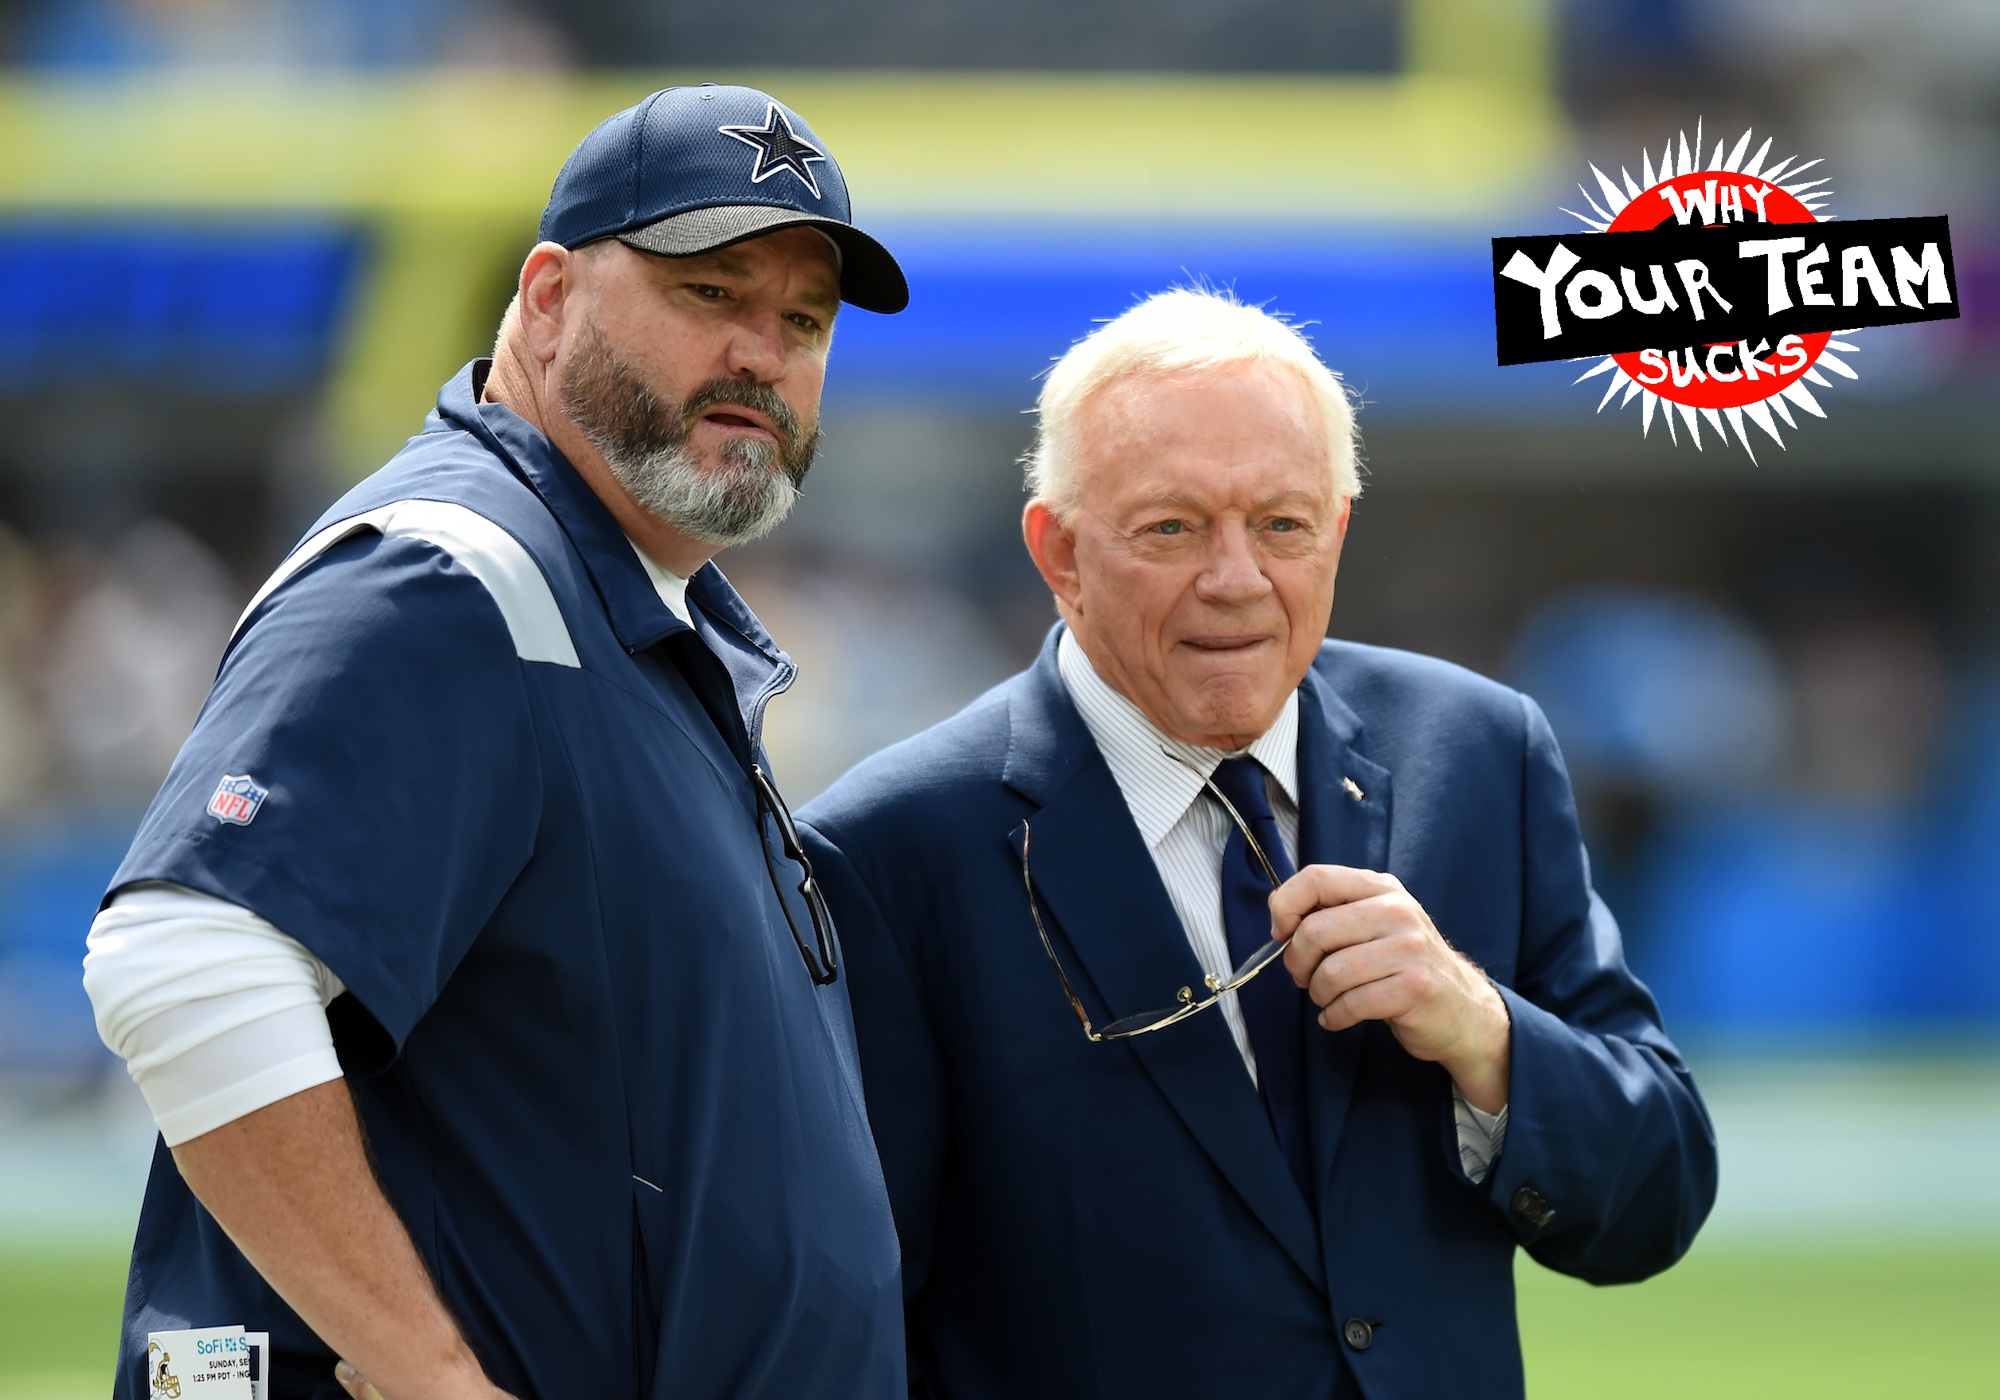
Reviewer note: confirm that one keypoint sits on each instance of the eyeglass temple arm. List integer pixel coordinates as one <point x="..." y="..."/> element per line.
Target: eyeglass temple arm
<point x="1048" y="947"/>
<point x="1234" y="815"/>
<point x="826" y="971"/>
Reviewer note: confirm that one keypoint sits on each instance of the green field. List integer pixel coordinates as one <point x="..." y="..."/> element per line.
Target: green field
<point x="1762" y="1324"/>
<point x="1825" y="1322"/>
<point x="59" y="1321"/>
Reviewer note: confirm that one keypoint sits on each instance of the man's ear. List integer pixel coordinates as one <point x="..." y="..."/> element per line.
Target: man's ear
<point x="1340" y="521"/>
<point x="545" y="298"/>
<point x="1052" y="545"/>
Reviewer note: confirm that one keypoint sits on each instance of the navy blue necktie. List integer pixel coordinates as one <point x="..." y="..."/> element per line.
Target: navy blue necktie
<point x="1272" y="1003"/>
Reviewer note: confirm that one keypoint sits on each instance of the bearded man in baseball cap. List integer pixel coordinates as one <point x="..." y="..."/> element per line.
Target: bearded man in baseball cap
<point x="495" y="1027"/>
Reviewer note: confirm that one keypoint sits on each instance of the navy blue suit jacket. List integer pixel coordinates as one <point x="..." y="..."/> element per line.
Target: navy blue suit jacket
<point x="1116" y="1219"/>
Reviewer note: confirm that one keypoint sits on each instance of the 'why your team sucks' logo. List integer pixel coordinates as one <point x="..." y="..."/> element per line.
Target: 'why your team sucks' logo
<point x="1725" y="294"/>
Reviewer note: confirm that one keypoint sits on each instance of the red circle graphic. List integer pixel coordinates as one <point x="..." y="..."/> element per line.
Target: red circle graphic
<point x="1710" y="376"/>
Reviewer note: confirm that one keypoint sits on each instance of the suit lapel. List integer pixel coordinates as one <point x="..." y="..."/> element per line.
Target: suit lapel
<point x="1101" y="892"/>
<point x="1335" y="828"/>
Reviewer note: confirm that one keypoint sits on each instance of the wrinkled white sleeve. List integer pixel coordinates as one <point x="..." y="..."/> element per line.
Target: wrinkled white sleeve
<point x="215" y="1012"/>
<point x="1481" y="1136"/>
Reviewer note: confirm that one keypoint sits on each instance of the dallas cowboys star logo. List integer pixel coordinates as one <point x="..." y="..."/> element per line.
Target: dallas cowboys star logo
<point x="778" y="148"/>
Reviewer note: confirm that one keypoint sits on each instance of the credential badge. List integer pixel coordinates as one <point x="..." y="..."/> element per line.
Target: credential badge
<point x="778" y="148"/>
<point x="237" y="799"/>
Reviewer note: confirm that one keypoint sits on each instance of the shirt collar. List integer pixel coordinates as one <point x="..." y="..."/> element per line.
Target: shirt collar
<point x="672" y="588"/>
<point x="1159" y="789"/>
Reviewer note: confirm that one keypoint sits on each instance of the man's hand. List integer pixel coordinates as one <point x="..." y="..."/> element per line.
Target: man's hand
<point x="355" y="1384"/>
<point x="1364" y="950"/>
<point x="292" y="1186"/>
<point x="361" y="1388"/>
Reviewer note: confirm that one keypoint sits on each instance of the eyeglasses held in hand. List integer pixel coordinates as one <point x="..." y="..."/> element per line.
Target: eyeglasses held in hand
<point x="822" y="961"/>
<point x="1185" y="1003"/>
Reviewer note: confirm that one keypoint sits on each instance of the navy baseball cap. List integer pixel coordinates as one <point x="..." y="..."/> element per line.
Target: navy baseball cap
<point x="693" y="169"/>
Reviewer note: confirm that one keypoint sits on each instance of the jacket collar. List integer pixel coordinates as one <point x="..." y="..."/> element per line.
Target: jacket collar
<point x="639" y="619"/>
<point x="1048" y="739"/>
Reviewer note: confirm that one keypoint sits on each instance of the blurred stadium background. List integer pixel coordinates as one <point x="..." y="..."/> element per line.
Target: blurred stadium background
<point x="243" y="241"/>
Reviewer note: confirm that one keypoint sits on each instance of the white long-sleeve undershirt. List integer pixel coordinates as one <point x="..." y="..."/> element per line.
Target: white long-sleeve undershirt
<point x="215" y="1012"/>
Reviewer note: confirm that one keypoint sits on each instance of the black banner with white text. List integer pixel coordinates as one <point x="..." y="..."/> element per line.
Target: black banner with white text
<point x="1558" y="297"/>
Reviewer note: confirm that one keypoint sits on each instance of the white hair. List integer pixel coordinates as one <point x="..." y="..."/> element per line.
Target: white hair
<point x="1186" y="328"/>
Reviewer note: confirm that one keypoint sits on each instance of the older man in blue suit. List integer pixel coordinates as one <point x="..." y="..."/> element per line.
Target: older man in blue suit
<point x="1232" y="1002"/>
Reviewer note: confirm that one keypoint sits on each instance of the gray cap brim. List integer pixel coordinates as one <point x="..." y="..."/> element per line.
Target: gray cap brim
<point x="869" y="277"/>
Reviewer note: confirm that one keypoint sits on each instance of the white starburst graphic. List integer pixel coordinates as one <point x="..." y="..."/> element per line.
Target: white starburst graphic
<point x="1728" y="188"/>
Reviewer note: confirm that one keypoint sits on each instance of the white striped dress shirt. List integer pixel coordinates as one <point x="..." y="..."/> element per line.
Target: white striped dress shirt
<point x="1161" y="780"/>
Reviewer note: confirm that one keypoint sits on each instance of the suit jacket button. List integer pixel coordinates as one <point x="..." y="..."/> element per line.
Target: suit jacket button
<point x="1360" y="1335"/>
<point x="1533" y="1207"/>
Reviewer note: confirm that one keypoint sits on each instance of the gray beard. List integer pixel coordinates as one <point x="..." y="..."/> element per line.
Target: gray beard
<point x="645" y="443"/>
<point x="742" y="500"/>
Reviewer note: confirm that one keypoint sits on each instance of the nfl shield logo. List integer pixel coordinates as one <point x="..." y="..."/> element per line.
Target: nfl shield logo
<point x="236" y="800"/>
